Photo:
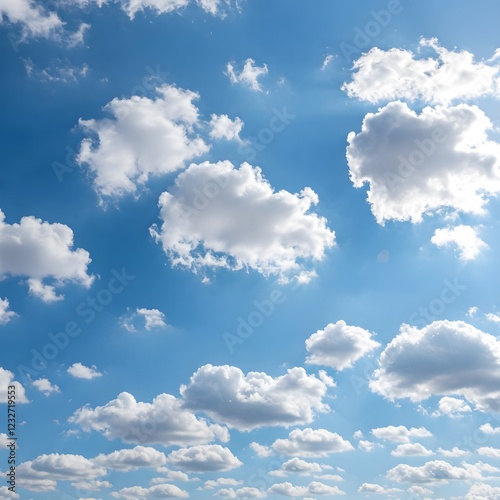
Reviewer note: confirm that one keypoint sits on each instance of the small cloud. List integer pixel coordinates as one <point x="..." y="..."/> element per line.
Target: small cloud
<point x="249" y="75"/>
<point x="44" y="386"/>
<point x="222" y="127"/>
<point x="464" y="237"/>
<point x="78" y="370"/>
<point x="326" y="62"/>
<point x="495" y="318"/>
<point x="144" y="319"/>
<point x="6" y="315"/>
<point x="472" y="311"/>
<point x="57" y="72"/>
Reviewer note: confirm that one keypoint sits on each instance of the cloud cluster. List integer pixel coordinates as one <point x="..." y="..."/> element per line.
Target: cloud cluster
<point x="143" y="138"/>
<point x="446" y="77"/>
<point x="41" y="251"/>
<point x="217" y="216"/>
<point x="448" y="358"/>
<point x="339" y="345"/>
<point x="163" y="421"/>
<point x="256" y="399"/>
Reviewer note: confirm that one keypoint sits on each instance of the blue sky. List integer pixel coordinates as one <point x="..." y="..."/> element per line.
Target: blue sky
<point x="248" y="249"/>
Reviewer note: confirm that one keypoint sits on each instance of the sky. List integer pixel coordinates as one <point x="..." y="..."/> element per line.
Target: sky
<point x="248" y="249"/>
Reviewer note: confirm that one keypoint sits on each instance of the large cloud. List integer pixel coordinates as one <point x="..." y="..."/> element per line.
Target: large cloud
<point x="255" y="400"/>
<point x="144" y="138"/>
<point x="40" y="251"/>
<point x="399" y="74"/>
<point x="444" y="358"/>
<point x="204" y="458"/>
<point x="220" y="216"/>
<point x="311" y="443"/>
<point x="438" y="471"/>
<point x="420" y="164"/>
<point x="339" y="345"/>
<point x="163" y="421"/>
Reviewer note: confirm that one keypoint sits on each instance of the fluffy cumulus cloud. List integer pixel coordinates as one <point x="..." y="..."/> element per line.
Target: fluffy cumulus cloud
<point x="311" y="443"/>
<point x="6" y="380"/>
<point x="222" y="127"/>
<point x="256" y="399"/>
<point x="417" y="164"/>
<point x="78" y="370"/>
<point x="218" y="216"/>
<point x="60" y="466"/>
<point x="158" y="491"/>
<point x="489" y="429"/>
<point x="221" y="481"/>
<point x="376" y="489"/>
<point x="144" y="319"/>
<point x="34" y="20"/>
<point x="204" y="458"/>
<point x="339" y="345"/>
<point x="314" y="488"/>
<point x="132" y="459"/>
<point x="143" y="138"/>
<point x="465" y="238"/>
<point x="400" y="434"/>
<point x="40" y="251"/>
<point x="6" y="314"/>
<point x="482" y="491"/>
<point x="447" y="76"/>
<point x="448" y="358"/>
<point x="438" y="471"/>
<point x="45" y="386"/>
<point x="243" y="493"/>
<point x="248" y="76"/>
<point x="411" y="450"/>
<point x="489" y="451"/>
<point x="163" y="421"/>
<point x="452" y="407"/>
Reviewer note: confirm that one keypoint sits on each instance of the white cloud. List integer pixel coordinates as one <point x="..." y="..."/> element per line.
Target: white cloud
<point x="60" y="466"/>
<point x="297" y="466"/>
<point x="249" y="75"/>
<point x="222" y="127"/>
<point x="144" y="138"/>
<point x="3" y="440"/>
<point x="132" y="459"/>
<point x="245" y="492"/>
<point x="221" y="481"/>
<point x="6" y="315"/>
<point x="464" y="237"/>
<point x="33" y="19"/>
<point x="488" y="429"/>
<point x="368" y="445"/>
<point x="6" y="380"/>
<point x="78" y="370"/>
<point x="261" y="451"/>
<point x="44" y="386"/>
<point x="400" y="434"/>
<point x="91" y="484"/>
<point x="423" y="164"/>
<point x="158" y="491"/>
<point x="39" y="250"/>
<point x="452" y="407"/>
<point x="339" y="345"/>
<point x="255" y="400"/>
<point x="326" y="62"/>
<point x="376" y="489"/>
<point x="447" y="77"/>
<point x="482" y="491"/>
<point x="488" y="451"/>
<point x="454" y="452"/>
<point x="472" y="311"/>
<point x="494" y="318"/>
<point x="143" y="318"/>
<point x="444" y="358"/>
<point x="171" y="476"/>
<point x="57" y="72"/>
<point x="217" y="216"/>
<point x="411" y="450"/>
<point x="6" y="493"/>
<point x="204" y="458"/>
<point x="163" y="421"/>
<point x="436" y="471"/>
<point x="314" y="488"/>
<point x="311" y="443"/>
